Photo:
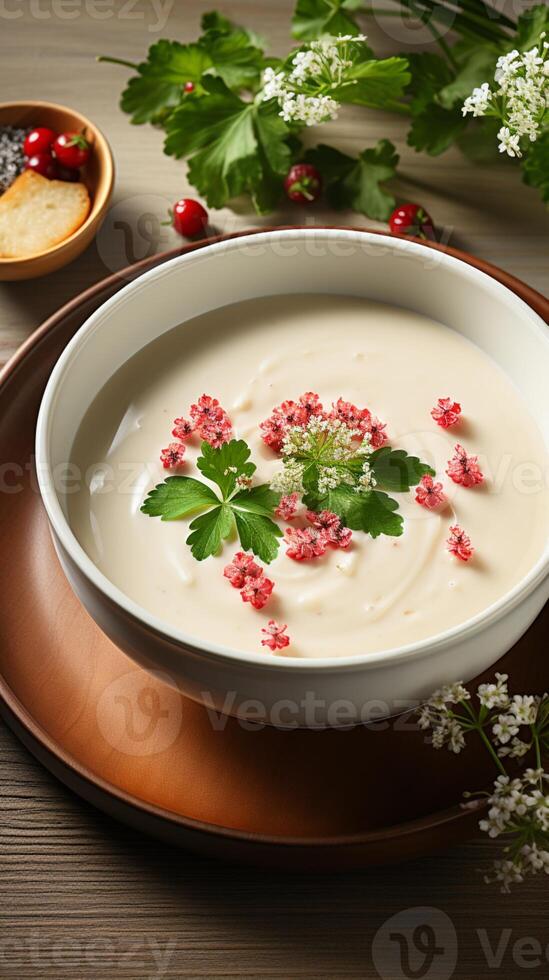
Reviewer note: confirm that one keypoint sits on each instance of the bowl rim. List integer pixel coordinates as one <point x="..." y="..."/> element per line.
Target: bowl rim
<point x="220" y="652"/>
<point x="98" y="204"/>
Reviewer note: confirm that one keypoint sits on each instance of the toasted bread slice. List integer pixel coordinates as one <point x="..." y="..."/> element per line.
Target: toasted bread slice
<point x="37" y="213"/>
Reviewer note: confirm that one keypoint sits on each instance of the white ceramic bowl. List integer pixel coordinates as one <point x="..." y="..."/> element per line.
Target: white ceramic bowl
<point x="283" y="690"/>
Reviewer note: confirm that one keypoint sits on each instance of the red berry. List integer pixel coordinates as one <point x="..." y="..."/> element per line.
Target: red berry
<point x="42" y="163"/>
<point x="72" y="150"/>
<point x="39" y="140"/>
<point x="189" y="217"/>
<point x="412" y="219"/>
<point x="303" y="183"/>
<point x="189" y="87"/>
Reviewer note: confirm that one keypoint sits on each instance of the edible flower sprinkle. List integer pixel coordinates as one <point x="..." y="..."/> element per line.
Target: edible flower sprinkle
<point x="242" y="568"/>
<point x="464" y="469"/>
<point x="257" y="591"/>
<point x="287" y="508"/>
<point x="173" y="455"/>
<point x="276" y="637"/>
<point x="428" y="493"/>
<point x="459" y="543"/>
<point x="446" y="412"/>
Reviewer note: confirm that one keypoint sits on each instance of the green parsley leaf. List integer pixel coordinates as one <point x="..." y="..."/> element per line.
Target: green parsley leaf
<point x="236" y="146"/>
<point x="257" y="500"/>
<point x="251" y="509"/>
<point x="373" y="512"/>
<point x="395" y="470"/>
<point x="356" y="183"/>
<point x="216" y="22"/>
<point x="177" y="497"/>
<point x="158" y="84"/>
<point x="257" y="533"/>
<point x="238" y="62"/>
<point x="224" y="465"/>
<point x="477" y="66"/>
<point x="313" y="18"/>
<point x="374" y="82"/>
<point x="339" y="500"/>
<point x="429" y="74"/>
<point x="209" y="530"/>
<point x="535" y="165"/>
<point x="435" y="129"/>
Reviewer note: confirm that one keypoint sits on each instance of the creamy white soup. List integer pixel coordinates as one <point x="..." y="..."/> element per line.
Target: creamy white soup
<point x="378" y="593"/>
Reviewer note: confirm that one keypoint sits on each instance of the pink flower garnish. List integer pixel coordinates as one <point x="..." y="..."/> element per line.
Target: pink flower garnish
<point x="305" y="543"/>
<point x="173" y="455"/>
<point x="293" y="413"/>
<point x="464" y="469"/>
<point x="376" y="429"/>
<point x="211" y="421"/>
<point x="330" y="525"/>
<point x="275" y="636"/>
<point x="216" y="433"/>
<point x="459" y="543"/>
<point x="242" y="568"/>
<point x="206" y="409"/>
<point x="311" y="403"/>
<point x="353" y="417"/>
<point x="257" y="591"/>
<point x="274" y="429"/>
<point x="287" y="415"/>
<point x="446" y="412"/>
<point x="183" y="429"/>
<point x="287" y="507"/>
<point x="428" y="493"/>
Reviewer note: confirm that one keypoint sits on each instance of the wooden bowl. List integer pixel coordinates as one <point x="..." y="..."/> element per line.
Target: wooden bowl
<point x="97" y="175"/>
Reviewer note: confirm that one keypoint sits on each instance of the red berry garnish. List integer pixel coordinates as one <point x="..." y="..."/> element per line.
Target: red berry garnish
<point x="303" y="183"/>
<point x="42" y="163"/>
<point x="72" y="150"/>
<point x="189" y="217"/>
<point x="412" y="219"/>
<point x="189" y="87"/>
<point x="39" y="140"/>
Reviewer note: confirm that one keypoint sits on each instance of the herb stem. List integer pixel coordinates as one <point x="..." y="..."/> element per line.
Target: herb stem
<point x="117" y="61"/>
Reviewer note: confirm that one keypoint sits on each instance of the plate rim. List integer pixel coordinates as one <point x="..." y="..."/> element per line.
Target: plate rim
<point x="18" y="716"/>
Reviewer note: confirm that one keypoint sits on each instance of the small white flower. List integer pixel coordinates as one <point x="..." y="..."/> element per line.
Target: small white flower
<point x="494" y="695"/>
<point x="505" y="728"/>
<point x="524" y="708"/>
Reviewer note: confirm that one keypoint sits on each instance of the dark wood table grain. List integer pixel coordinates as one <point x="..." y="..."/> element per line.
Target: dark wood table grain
<point x="83" y="897"/>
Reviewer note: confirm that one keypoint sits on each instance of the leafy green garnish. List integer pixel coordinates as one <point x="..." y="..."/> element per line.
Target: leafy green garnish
<point x="395" y="470"/>
<point x="177" y="497"/>
<point x="224" y="50"/>
<point x="248" y="510"/>
<point x="357" y="182"/>
<point x="374" y="513"/>
<point x="234" y="146"/>
<point x="313" y="18"/>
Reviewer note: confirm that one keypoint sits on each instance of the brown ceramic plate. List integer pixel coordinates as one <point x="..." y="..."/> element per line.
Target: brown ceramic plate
<point x="97" y="175"/>
<point x="129" y="744"/>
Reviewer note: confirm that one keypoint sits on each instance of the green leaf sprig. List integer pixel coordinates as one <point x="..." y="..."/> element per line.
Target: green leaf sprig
<point x="237" y="507"/>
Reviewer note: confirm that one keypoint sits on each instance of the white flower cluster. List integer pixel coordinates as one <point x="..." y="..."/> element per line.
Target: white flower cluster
<point x="289" y="479"/>
<point x="303" y="91"/>
<point x="330" y="444"/>
<point x="437" y="715"/>
<point x="521" y="98"/>
<point x="518" y="807"/>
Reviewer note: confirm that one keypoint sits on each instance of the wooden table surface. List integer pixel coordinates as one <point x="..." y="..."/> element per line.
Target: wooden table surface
<point x="83" y="897"/>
